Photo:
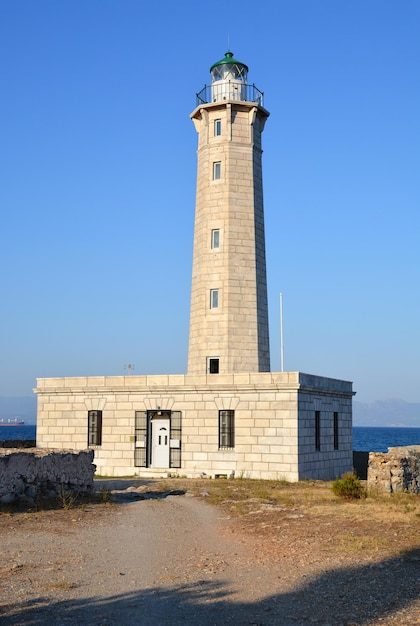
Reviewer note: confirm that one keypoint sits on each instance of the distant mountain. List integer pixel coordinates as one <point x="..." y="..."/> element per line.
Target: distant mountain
<point x="22" y="406"/>
<point x="391" y="412"/>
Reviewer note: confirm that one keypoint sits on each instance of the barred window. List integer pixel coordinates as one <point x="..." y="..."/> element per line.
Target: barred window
<point x="94" y="428"/>
<point x="335" y="430"/>
<point x="317" y="430"/>
<point x="226" y="429"/>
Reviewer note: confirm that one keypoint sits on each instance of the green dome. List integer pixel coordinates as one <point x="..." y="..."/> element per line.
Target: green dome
<point x="229" y="59"/>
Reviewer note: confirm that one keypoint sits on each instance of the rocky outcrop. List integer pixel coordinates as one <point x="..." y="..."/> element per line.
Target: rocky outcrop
<point x="32" y="474"/>
<point x="395" y="471"/>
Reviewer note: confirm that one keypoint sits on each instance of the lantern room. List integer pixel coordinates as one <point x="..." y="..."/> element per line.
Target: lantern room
<point x="228" y="79"/>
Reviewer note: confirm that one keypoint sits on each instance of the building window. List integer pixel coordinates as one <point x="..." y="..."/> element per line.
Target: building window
<point x="213" y="366"/>
<point x="317" y="430"/>
<point x="215" y="238"/>
<point x="94" y="428"/>
<point x="217" y="128"/>
<point x="335" y="430"/>
<point x="217" y="170"/>
<point x="214" y="298"/>
<point x="226" y="429"/>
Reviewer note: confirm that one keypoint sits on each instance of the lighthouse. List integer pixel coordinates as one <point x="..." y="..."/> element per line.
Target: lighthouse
<point x="229" y="415"/>
<point x="229" y="311"/>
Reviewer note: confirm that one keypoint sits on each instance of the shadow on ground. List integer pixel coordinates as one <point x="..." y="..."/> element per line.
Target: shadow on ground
<point x="126" y="490"/>
<point x="352" y="596"/>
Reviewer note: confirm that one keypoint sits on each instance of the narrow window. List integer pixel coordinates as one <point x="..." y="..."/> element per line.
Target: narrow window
<point x="217" y="170"/>
<point x="226" y="429"/>
<point x="217" y="128"/>
<point x="213" y="366"/>
<point x="317" y="430"/>
<point x="214" y="298"/>
<point x="94" y="428"/>
<point x="335" y="430"/>
<point x="215" y="238"/>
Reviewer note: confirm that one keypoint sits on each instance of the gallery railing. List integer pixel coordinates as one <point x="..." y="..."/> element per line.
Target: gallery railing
<point x="230" y="90"/>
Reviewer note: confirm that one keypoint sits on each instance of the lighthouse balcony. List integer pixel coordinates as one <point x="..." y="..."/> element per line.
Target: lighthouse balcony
<point x="230" y="90"/>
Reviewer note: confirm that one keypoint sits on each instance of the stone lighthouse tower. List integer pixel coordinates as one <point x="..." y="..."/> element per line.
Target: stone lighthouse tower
<point x="229" y="313"/>
<point x="229" y="415"/>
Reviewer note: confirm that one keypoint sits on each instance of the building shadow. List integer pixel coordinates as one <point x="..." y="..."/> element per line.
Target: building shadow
<point x="356" y="595"/>
<point x="122" y="483"/>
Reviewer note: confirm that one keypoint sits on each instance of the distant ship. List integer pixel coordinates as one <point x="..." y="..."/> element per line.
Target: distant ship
<point x="16" y="421"/>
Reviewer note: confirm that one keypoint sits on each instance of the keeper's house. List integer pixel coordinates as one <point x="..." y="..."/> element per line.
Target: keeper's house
<point x="229" y="415"/>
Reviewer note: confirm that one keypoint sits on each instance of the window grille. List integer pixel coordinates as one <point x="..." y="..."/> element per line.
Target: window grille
<point x="335" y="430"/>
<point x="317" y="430"/>
<point x="226" y="429"/>
<point x="140" y="437"/>
<point x="175" y="453"/>
<point x="94" y="428"/>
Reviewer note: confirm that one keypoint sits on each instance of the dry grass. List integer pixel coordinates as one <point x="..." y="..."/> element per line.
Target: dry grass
<point x="308" y="511"/>
<point x="315" y="497"/>
<point x="307" y="514"/>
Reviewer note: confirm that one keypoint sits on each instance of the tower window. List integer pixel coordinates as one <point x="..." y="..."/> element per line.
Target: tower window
<point x="226" y="429"/>
<point x="335" y="430"/>
<point x="94" y="428"/>
<point x="213" y="365"/>
<point x="214" y="298"/>
<point x="217" y="128"/>
<point x="217" y="170"/>
<point x="318" y="430"/>
<point x="215" y="238"/>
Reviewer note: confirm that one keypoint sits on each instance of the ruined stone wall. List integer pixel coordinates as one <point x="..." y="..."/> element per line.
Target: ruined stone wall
<point x="29" y="474"/>
<point x="18" y="443"/>
<point x="397" y="470"/>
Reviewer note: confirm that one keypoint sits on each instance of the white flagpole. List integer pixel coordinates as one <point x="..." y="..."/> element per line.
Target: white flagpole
<point x="281" y="335"/>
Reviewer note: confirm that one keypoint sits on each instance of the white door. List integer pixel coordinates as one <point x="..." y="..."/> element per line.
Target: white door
<point x="160" y="442"/>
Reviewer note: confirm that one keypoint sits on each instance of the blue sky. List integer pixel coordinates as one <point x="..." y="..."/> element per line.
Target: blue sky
<point x="97" y="183"/>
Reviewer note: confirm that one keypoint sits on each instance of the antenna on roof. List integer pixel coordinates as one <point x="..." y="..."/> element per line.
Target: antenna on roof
<point x="228" y="42"/>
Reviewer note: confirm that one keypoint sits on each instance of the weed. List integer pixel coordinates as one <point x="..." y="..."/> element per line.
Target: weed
<point x="349" y="487"/>
<point x="66" y="498"/>
<point x="104" y="495"/>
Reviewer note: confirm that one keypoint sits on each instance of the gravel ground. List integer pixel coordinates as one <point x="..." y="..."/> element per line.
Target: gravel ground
<point x="177" y="560"/>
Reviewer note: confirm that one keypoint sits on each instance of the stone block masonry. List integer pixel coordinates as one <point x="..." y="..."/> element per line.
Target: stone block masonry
<point x="395" y="471"/>
<point x="274" y="423"/>
<point x="33" y="473"/>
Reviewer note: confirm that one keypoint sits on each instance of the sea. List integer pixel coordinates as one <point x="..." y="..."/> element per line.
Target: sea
<point x="375" y="439"/>
<point x="25" y="432"/>
<point x="365" y="438"/>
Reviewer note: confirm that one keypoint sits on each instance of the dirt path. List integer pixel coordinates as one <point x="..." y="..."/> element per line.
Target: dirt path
<point x="177" y="560"/>
<point x="151" y="562"/>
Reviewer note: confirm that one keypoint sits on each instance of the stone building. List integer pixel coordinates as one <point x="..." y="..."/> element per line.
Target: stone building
<point x="229" y="415"/>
